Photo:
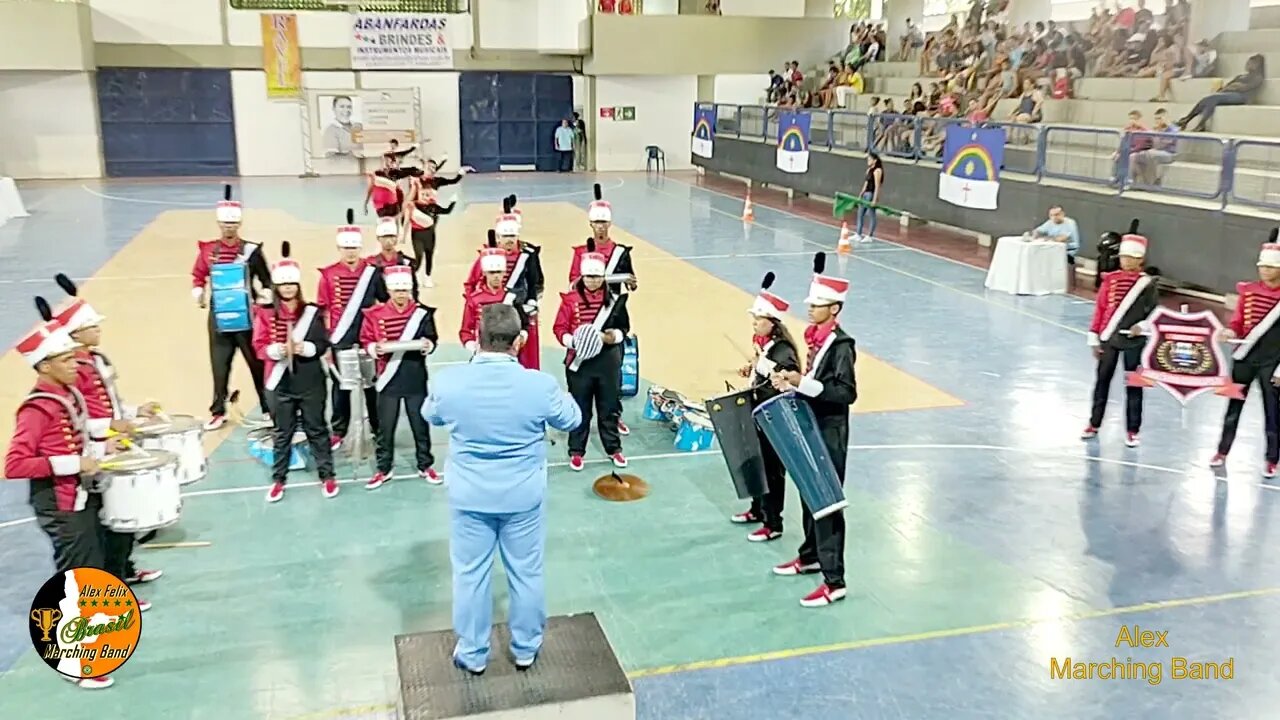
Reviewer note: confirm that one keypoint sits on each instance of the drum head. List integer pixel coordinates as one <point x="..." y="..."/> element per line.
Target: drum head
<point x="620" y="488"/>
<point x="135" y="460"/>
<point x="171" y="424"/>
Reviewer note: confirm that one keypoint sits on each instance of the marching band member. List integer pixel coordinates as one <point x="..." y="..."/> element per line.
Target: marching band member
<point x="522" y="277"/>
<point x="291" y="340"/>
<point x="619" y="274"/>
<point x="229" y="266"/>
<point x="592" y="324"/>
<point x="52" y="449"/>
<point x="775" y="351"/>
<point x="1126" y="298"/>
<point x="105" y="412"/>
<point x="490" y="290"/>
<point x="1257" y="356"/>
<point x="402" y="374"/>
<point x="424" y="212"/>
<point x="346" y="288"/>
<point x="388" y="237"/>
<point x="830" y="387"/>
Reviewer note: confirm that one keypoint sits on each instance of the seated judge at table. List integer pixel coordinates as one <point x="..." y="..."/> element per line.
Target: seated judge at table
<point x="1060" y="228"/>
<point x="497" y="413"/>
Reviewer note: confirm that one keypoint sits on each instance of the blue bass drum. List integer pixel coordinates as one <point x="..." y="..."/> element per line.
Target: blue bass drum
<point x="261" y="448"/>
<point x="793" y="431"/>
<point x="695" y="432"/>
<point x="229" y="299"/>
<point x="630" y="366"/>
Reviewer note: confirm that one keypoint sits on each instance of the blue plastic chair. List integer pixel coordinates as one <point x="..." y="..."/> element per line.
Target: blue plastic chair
<point x="655" y="157"/>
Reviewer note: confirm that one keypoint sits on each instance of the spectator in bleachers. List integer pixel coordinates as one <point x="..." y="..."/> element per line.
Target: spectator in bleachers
<point x="827" y="91"/>
<point x="1163" y="66"/>
<point x="1203" y="60"/>
<point x="1030" y="105"/>
<point x="928" y="66"/>
<point x="777" y="87"/>
<point x="1148" y="165"/>
<point x="1240" y="91"/>
<point x="912" y="41"/>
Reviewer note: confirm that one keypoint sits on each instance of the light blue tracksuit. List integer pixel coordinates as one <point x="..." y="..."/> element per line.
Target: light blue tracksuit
<point x="497" y="413"/>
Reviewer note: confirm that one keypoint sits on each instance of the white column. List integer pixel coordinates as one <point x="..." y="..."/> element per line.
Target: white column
<point x="1029" y="11"/>
<point x="895" y="13"/>
<point x="1211" y="17"/>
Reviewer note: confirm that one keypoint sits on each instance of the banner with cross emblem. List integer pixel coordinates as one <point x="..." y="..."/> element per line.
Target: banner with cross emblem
<point x="971" y="162"/>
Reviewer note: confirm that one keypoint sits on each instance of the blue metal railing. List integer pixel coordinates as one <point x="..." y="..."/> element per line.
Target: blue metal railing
<point x="1185" y="165"/>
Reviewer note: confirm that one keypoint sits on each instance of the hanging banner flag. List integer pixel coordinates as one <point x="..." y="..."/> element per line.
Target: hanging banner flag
<point x="704" y="131"/>
<point x="793" y="142"/>
<point x="971" y="161"/>
<point x="1183" y="356"/>
<point x="401" y="41"/>
<point x="281" y="56"/>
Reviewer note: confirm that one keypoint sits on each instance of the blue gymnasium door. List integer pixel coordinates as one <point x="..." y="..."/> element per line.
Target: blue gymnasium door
<point x="509" y="119"/>
<point x="167" y="123"/>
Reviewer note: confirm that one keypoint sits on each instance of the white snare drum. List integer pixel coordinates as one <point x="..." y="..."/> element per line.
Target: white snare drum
<point x="180" y="435"/>
<point x="140" y="491"/>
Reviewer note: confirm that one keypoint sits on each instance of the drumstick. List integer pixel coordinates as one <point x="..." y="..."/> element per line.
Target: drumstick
<point x="173" y="545"/>
<point x="288" y="345"/>
<point x="747" y="356"/>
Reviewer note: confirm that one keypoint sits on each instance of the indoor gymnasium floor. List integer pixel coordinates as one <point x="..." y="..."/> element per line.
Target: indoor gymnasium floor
<point x="985" y="541"/>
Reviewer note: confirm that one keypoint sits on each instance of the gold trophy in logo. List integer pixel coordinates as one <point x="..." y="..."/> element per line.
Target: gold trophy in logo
<point x="45" y="618"/>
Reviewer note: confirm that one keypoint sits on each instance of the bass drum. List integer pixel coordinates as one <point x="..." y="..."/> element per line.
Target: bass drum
<point x="792" y="429"/>
<point x="735" y="430"/>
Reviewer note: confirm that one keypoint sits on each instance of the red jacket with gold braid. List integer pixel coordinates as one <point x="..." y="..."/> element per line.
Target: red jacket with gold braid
<point x="1256" y="302"/>
<point x="1114" y="298"/>
<point x="338" y="284"/>
<point x="580" y="307"/>
<point x="386" y="323"/>
<point x="48" y="442"/>
<point x="95" y="379"/>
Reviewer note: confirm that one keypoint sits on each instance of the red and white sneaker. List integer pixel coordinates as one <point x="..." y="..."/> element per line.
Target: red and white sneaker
<point x="1270" y="471"/>
<point x="329" y="488"/>
<point x="98" y="683"/>
<point x="144" y="576"/>
<point x="745" y="518"/>
<point x="1131" y="440"/>
<point x="335" y="442"/>
<point x="823" y="596"/>
<point x="1090" y="432"/>
<point x="376" y="481"/>
<point x="1218" y="460"/>
<point x="795" y="567"/>
<point x="431" y="476"/>
<point x="575" y="463"/>
<point x="143" y="605"/>
<point x="763" y="534"/>
<point x="619" y="460"/>
<point x="623" y="429"/>
<point x="215" y="422"/>
<point x="276" y="493"/>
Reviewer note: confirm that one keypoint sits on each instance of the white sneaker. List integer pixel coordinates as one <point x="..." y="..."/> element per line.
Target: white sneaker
<point x="98" y="683"/>
<point x="428" y="282"/>
<point x="215" y="422"/>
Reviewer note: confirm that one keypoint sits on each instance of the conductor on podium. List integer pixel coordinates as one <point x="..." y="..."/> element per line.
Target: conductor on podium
<point x="497" y="413"/>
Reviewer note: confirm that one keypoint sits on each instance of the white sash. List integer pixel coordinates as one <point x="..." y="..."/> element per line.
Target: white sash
<point x="615" y="257"/>
<point x="393" y="363"/>
<point x="1262" y="328"/>
<point x="353" y="305"/>
<point x="108" y="374"/>
<point x="516" y="272"/>
<point x="79" y="412"/>
<point x="299" y="335"/>
<point x="246" y="252"/>
<point x="421" y="218"/>
<point x="822" y="352"/>
<point x="598" y="323"/>
<point x="1127" y="302"/>
<point x="765" y="366"/>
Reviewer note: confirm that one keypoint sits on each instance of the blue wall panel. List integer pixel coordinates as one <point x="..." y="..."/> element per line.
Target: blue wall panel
<point x="167" y="123"/>
<point x="510" y="118"/>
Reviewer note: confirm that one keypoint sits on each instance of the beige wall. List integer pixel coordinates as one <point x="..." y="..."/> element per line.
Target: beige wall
<point x="45" y="35"/>
<point x="707" y="45"/>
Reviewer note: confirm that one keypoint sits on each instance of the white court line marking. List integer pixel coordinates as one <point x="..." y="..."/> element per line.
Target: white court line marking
<point x="856" y="256"/>
<point x="603" y="189"/>
<point x="1193" y="473"/>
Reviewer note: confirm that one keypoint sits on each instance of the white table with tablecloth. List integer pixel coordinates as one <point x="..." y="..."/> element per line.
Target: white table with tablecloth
<point x="1022" y="266"/>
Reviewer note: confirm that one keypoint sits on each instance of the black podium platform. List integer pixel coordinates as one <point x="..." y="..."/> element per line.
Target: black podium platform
<point x="576" y="677"/>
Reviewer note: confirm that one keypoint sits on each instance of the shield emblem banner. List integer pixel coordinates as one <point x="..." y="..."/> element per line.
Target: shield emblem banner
<point x="1183" y="356"/>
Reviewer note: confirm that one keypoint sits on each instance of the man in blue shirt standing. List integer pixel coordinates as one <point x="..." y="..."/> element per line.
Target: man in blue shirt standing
<point x="564" y="145"/>
<point x="497" y="413"/>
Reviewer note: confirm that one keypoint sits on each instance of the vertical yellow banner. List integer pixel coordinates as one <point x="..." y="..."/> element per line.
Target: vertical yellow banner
<point x="281" y="56"/>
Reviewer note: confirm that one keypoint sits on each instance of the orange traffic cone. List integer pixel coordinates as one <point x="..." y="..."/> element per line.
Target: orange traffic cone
<point x="747" y="213"/>
<point x="844" y="247"/>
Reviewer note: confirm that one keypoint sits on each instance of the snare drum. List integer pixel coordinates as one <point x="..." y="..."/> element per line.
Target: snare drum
<point x="140" y="491"/>
<point x="180" y="435"/>
<point x="695" y="432"/>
